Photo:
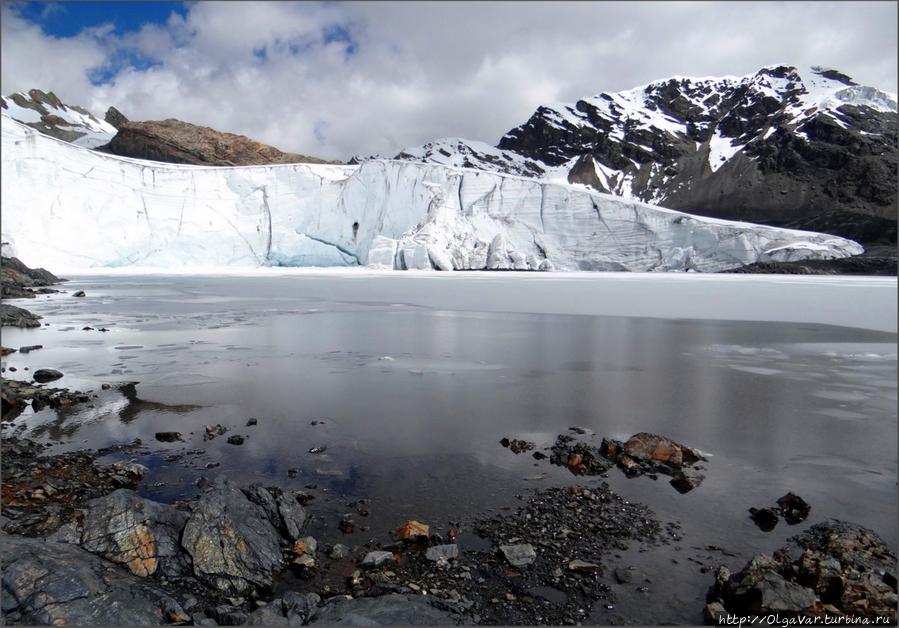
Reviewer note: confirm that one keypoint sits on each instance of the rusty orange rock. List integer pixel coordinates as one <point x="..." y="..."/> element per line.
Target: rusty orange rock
<point x="411" y="529"/>
<point x="141" y="560"/>
<point x="575" y="460"/>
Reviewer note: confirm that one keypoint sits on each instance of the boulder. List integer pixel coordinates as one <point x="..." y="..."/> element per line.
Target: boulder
<point x="231" y="540"/>
<point x="141" y="534"/>
<point x="42" y="376"/>
<point x="833" y="567"/>
<point x="51" y="583"/>
<point x="292" y="609"/>
<point x="645" y="446"/>
<point x="12" y="316"/>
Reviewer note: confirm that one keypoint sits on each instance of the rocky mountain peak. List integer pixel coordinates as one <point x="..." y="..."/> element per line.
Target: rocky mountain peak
<point x="176" y="141"/>
<point x="783" y="145"/>
<point x="45" y="112"/>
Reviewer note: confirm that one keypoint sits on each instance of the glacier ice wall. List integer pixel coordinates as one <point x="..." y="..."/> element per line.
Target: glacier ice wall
<point x="66" y="207"/>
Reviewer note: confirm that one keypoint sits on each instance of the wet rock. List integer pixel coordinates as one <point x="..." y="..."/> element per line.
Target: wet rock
<point x="4" y="351"/>
<point x="442" y="552"/>
<point x="339" y="552"/>
<point x="833" y="567"/>
<point x="520" y="555"/>
<point x="765" y="518"/>
<point x="517" y="446"/>
<point x="30" y="348"/>
<point x="42" y="376"/>
<point x="318" y="450"/>
<point x="79" y="293"/>
<point x="293" y="609"/>
<point x="168" y="437"/>
<point x="346" y="524"/>
<point x="713" y="612"/>
<point x="793" y="508"/>
<point x="251" y="422"/>
<point x="293" y="515"/>
<point x="12" y="316"/>
<point x="231" y="540"/>
<point x="235" y="440"/>
<point x="228" y="615"/>
<point x="138" y="533"/>
<point x="56" y="583"/>
<point x="582" y="566"/>
<point x="377" y="558"/>
<point x="410" y="530"/>
<point x="651" y="447"/>
<point x="386" y="610"/>
<point x="579" y="458"/>
<point x="624" y="575"/>
<point x="686" y="480"/>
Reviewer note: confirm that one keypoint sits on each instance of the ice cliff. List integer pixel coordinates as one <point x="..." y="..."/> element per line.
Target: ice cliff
<point x="67" y="207"/>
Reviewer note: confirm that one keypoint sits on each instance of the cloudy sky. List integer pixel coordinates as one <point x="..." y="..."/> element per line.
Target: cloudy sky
<point x="338" y="79"/>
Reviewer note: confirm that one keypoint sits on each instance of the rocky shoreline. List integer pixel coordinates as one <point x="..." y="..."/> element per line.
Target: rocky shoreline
<point x="82" y="544"/>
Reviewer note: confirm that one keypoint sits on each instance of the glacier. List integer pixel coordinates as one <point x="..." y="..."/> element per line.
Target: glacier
<point x="66" y="207"/>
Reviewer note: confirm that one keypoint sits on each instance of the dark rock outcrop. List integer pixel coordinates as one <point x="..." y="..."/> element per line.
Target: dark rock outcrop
<point x="69" y="123"/>
<point x="138" y="533"/>
<point x="52" y="583"/>
<point x="231" y="540"/>
<point x="178" y="142"/>
<point x="12" y="316"/>
<point x="115" y="117"/>
<point x="803" y="148"/>
<point x="833" y="569"/>
<point x="292" y="609"/>
<point x="793" y="166"/>
<point x="19" y="281"/>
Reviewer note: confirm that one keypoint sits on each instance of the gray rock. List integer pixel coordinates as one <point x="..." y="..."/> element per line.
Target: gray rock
<point x="68" y="533"/>
<point x="283" y="510"/>
<point x="442" y="552"/>
<point x="56" y="583"/>
<point x="339" y="552"/>
<point x="227" y="615"/>
<point x="373" y="559"/>
<point x="294" y="609"/>
<point x="386" y="610"/>
<point x="231" y="540"/>
<point x="12" y="316"/>
<point x="42" y="376"/>
<point x="293" y="516"/>
<point x="141" y="534"/>
<point x="519" y="555"/>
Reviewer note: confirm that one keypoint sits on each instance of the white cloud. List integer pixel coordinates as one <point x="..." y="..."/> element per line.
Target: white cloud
<point x="425" y="70"/>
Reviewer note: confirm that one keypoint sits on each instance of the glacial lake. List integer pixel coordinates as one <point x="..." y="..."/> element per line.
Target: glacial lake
<point x="409" y="381"/>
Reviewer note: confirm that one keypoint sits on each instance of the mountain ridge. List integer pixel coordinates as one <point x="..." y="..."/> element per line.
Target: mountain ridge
<point x="780" y="146"/>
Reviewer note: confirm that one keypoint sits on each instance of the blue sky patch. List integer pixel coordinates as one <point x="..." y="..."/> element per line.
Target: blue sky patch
<point x="66" y="19"/>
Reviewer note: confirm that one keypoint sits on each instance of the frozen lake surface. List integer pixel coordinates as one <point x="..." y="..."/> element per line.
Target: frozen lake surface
<point x="789" y="383"/>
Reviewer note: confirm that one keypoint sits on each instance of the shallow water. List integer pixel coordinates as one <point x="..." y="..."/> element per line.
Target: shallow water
<point x="411" y="394"/>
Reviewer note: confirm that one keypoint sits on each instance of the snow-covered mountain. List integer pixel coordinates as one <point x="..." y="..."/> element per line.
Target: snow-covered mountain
<point x="781" y="146"/>
<point x="66" y="207"/>
<point x="48" y="114"/>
